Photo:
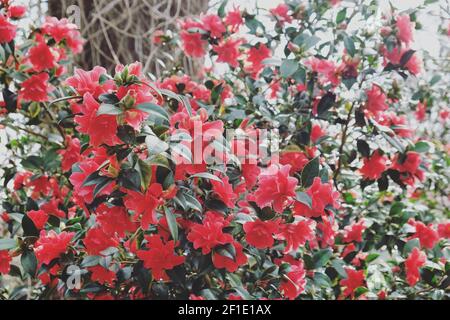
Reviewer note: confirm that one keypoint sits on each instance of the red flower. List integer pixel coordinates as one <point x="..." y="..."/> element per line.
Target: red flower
<point x="296" y="234"/>
<point x="444" y="230"/>
<point x="102" y="275"/>
<point x="415" y="260"/>
<point x="101" y="129"/>
<point x="39" y="218"/>
<point x="17" y="12"/>
<point x="63" y="30"/>
<point x="260" y="233"/>
<point x="316" y="133"/>
<point x="71" y="154"/>
<point x="228" y="52"/>
<point x="255" y="57"/>
<point x="193" y="44"/>
<point x="276" y="188"/>
<point x="354" y="280"/>
<point x="354" y="232"/>
<point x="326" y="69"/>
<point x="421" y="111"/>
<point x="7" y="30"/>
<point x="89" y="82"/>
<point x="234" y="20"/>
<point x="209" y="234"/>
<point x="374" y="166"/>
<point x="51" y="245"/>
<point x="5" y="260"/>
<point x="427" y="236"/>
<point x="404" y="29"/>
<point x="224" y="191"/>
<point x="36" y="88"/>
<point x="41" y="56"/>
<point x="114" y="220"/>
<point x="144" y="204"/>
<point x="294" y="282"/>
<point x="160" y="257"/>
<point x="214" y="25"/>
<point x="231" y="265"/>
<point x="296" y="159"/>
<point x="97" y="240"/>
<point x="322" y="195"/>
<point x="281" y="13"/>
<point x="77" y="179"/>
<point x="409" y="165"/>
<point x="376" y="101"/>
<point x="328" y="229"/>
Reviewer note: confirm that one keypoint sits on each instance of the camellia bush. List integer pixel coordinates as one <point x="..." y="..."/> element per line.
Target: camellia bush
<point x="310" y="160"/>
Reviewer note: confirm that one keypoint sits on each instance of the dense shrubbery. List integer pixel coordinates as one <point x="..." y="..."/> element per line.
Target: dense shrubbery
<point x="122" y="187"/>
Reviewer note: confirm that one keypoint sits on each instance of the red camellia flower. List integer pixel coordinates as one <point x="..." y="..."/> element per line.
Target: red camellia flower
<point x="354" y="232"/>
<point x="97" y="240"/>
<point x="160" y="257"/>
<point x="102" y="275"/>
<point x="193" y="44"/>
<point x="234" y="20"/>
<point x="17" y="12"/>
<point x="41" y="56"/>
<point x="5" y="260"/>
<point x="101" y="129"/>
<point x="71" y="154"/>
<point x="409" y="165"/>
<point x="294" y="283"/>
<point x="144" y="204"/>
<point x="421" y="110"/>
<point x="63" y="30"/>
<point x="296" y="234"/>
<point x="39" y="218"/>
<point x="394" y="56"/>
<point x="224" y="191"/>
<point x="354" y="280"/>
<point x="404" y="29"/>
<point x="228" y="52"/>
<point x="415" y="260"/>
<point x="7" y="30"/>
<point x="444" y="230"/>
<point x="260" y="233"/>
<point x="214" y="25"/>
<point x="231" y="265"/>
<point x="276" y="187"/>
<point x="89" y="82"/>
<point x="427" y="236"/>
<point x="326" y="70"/>
<point x="36" y="88"/>
<point x="51" y="245"/>
<point x="322" y="195"/>
<point x="281" y="13"/>
<point x="296" y="159"/>
<point x="255" y="57"/>
<point x="376" y="101"/>
<point x="374" y="166"/>
<point x="316" y="133"/>
<point x="209" y="234"/>
<point x="114" y="220"/>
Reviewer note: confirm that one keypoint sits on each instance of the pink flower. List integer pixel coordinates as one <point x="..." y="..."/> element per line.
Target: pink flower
<point x="36" y="88"/>
<point x="260" y="233"/>
<point x="326" y="69"/>
<point x="89" y="82"/>
<point x="228" y="52"/>
<point x="296" y="234"/>
<point x="214" y="25"/>
<point x="415" y="260"/>
<point x="376" y="101"/>
<point x="7" y="30"/>
<point x="224" y="191"/>
<point x="427" y="236"/>
<point x="276" y="188"/>
<point x="255" y="57"/>
<point x="281" y="13"/>
<point x="374" y="166"/>
<point x="404" y="29"/>
<point x="234" y="20"/>
<point x="41" y="56"/>
<point x="354" y="232"/>
<point x="17" y="12"/>
<point x="354" y="280"/>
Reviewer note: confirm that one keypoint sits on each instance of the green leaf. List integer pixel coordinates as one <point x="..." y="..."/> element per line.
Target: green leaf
<point x="372" y="257"/>
<point x="110" y="109"/>
<point x="321" y="258"/>
<point x="206" y="175"/>
<point x="363" y="148"/>
<point x="288" y="68"/>
<point x="340" y="17"/>
<point x="154" y="109"/>
<point x="304" y="198"/>
<point x="310" y="171"/>
<point x="236" y="284"/>
<point x="410" y="245"/>
<point x="325" y="103"/>
<point x="172" y="222"/>
<point x="306" y="41"/>
<point x="221" y="10"/>
<point x="349" y="45"/>
<point x="145" y="173"/>
<point x="422" y="147"/>
<point x="6" y="244"/>
<point x="155" y="145"/>
<point x="90" y="261"/>
<point x="29" y="262"/>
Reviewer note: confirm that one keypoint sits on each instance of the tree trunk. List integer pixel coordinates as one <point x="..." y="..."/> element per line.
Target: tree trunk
<point x="120" y="31"/>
